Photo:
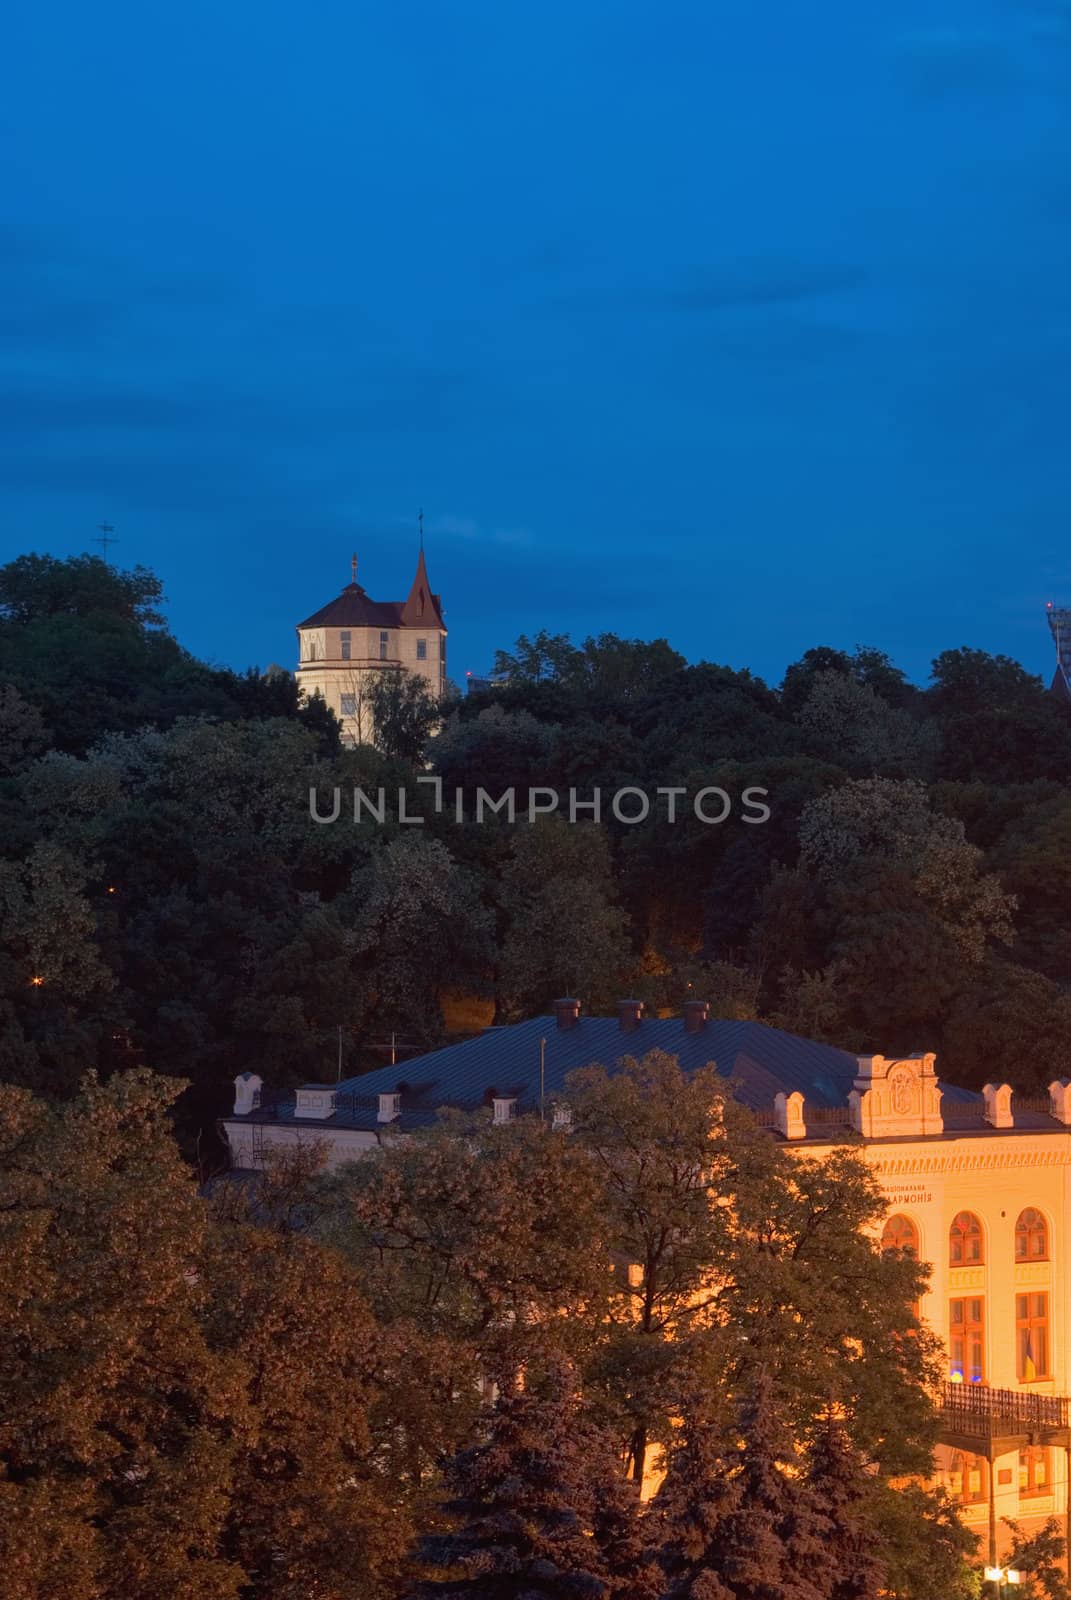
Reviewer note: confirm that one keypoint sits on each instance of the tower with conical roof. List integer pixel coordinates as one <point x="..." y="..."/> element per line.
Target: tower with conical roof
<point x="353" y="637"/>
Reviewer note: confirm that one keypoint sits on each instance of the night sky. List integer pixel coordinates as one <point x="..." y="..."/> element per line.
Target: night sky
<point x="746" y="325"/>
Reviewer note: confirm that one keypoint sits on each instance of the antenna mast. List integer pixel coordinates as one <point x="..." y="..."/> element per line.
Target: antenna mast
<point x="106" y="531"/>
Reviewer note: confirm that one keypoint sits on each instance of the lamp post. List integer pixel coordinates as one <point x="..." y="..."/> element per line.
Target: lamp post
<point x="1002" y="1575"/>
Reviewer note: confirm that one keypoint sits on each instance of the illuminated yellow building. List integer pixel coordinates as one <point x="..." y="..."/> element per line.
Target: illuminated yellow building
<point x="977" y="1186"/>
<point x="346" y="642"/>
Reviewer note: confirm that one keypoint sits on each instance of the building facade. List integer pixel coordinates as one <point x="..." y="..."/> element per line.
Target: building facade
<point x="977" y="1186"/>
<point x="352" y="638"/>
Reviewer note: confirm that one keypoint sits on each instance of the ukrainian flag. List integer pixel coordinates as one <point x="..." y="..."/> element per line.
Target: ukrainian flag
<point x="1029" y="1370"/>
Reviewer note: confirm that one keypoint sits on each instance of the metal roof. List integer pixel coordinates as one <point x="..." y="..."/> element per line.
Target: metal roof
<point x="505" y="1062"/>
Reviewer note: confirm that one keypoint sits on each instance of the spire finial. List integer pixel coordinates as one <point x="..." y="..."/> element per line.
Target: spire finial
<point x="420" y="521"/>
<point x="353" y="565"/>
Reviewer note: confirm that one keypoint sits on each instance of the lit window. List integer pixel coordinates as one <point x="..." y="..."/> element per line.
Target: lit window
<point x="422" y="649"/>
<point x="966" y="1340"/>
<point x="965" y="1241"/>
<point x="966" y="1477"/>
<point x="1031" y="1337"/>
<point x="900" y="1237"/>
<point x="345" y="640"/>
<point x="1031" y="1236"/>
<point x="1034" y="1476"/>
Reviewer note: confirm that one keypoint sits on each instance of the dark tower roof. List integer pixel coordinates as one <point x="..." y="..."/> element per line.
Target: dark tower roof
<point x="422" y="609"/>
<point x="353" y="608"/>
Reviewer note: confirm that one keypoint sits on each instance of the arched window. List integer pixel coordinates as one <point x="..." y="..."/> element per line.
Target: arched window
<point x="966" y="1478"/>
<point x="1031" y="1236"/>
<point x="900" y="1237"/>
<point x="965" y="1241"/>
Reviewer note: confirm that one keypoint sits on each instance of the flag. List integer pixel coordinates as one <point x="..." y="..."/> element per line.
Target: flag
<point x="1027" y="1352"/>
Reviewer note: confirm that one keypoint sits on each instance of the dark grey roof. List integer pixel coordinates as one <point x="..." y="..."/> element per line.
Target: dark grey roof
<point x="761" y="1060"/>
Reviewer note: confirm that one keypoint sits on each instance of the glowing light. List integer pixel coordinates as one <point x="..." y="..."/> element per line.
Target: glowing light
<point x="111" y="888"/>
<point x="37" y="980"/>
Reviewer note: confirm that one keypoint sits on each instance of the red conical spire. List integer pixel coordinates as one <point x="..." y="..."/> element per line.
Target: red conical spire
<point x="421" y="610"/>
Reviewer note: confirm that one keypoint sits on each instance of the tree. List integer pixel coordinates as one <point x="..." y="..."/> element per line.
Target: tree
<point x="310" y="1508"/>
<point x="1007" y="1025"/>
<point x="165" y="1374"/>
<point x="649" y="1128"/>
<point x="848" y="721"/>
<point x="879" y="824"/>
<point x="604" y="668"/>
<point x="37" y="588"/>
<point x="403" y="713"/>
<point x="418" y="929"/>
<point x="997" y="722"/>
<point x="23" y="734"/>
<point x="527" y="1507"/>
<point x="847" y="1567"/>
<point x="739" y="1518"/>
<point x="1040" y="1555"/>
<point x="481" y="1236"/>
<point x="925" y="1548"/>
<point x="120" y="1422"/>
<point x="563" y="931"/>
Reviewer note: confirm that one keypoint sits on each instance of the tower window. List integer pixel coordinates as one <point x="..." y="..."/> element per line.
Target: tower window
<point x="345" y="638"/>
<point x="383" y="638"/>
<point x="422" y="649"/>
<point x="349" y="705"/>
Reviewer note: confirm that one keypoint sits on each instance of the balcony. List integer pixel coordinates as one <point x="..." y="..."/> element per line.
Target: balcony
<point x="991" y="1421"/>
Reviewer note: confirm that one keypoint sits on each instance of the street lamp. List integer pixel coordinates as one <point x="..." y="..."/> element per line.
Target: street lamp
<point x="1002" y="1575"/>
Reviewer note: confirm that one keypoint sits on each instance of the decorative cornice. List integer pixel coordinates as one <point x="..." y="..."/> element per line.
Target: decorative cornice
<point x="945" y="1163"/>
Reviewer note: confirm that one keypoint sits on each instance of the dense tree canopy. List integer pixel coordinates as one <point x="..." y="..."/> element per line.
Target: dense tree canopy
<point x="166" y="897"/>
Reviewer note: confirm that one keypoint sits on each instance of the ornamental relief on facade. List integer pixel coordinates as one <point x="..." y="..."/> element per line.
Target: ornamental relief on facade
<point x="888" y="1168"/>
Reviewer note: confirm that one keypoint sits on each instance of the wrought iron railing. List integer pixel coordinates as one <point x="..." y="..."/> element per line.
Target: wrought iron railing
<point x="976" y="1409"/>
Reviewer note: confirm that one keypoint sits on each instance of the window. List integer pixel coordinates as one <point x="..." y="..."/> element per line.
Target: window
<point x="345" y="638"/>
<point x="966" y="1340"/>
<point x="383" y="646"/>
<point x="967" y="1478"/>
<point x="965" y="1241"/>
<point x="442" y="647"/>
<point x="900" y="1237"/>
<point x="349" y="705"/>
<point x="1031" y="1236"/>
<point x="422" y="649"/>
<point x="1034" y="1475"/>
<point x="1031" y="1337"/>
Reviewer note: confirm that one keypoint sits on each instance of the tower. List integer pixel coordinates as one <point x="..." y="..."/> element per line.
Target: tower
<point x="1060" y="628"/>
<point x="352" y="638"/>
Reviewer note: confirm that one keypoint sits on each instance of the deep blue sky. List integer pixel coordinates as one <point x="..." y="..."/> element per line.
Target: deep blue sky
<point x="747" y="325"/>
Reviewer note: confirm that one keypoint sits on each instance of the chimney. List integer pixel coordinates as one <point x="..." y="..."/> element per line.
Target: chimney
<point x="504" y="1108"/>
<point x="629" y="1015"/>
<point x="390" y="1107"/>
<point x="695" y="1015"/>
<point x="996" y="1100"/>
<point x="247" y="1087"/>
<point x="567" y="1013"/>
